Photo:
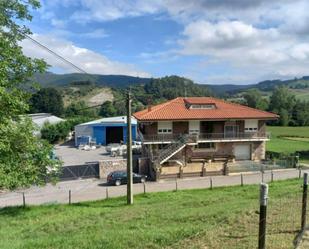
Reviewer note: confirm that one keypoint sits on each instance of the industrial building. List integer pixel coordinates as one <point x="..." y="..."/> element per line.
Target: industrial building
<point x="105" y="131"/>
<point x="40" y="119"/>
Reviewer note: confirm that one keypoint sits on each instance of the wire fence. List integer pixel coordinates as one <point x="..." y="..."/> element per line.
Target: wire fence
<point x="240" y="230"/>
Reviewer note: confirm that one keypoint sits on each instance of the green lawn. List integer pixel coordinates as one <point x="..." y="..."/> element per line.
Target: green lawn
<point x="282" y="139"/>
<point x="224" y="217"/>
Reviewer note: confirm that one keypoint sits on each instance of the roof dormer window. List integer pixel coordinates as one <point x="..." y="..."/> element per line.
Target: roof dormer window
<point x="203" y="106"/>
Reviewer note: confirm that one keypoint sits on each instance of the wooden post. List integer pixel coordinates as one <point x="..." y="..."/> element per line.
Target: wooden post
<point x="144" y="183"/>
<point x="299" y="173"/>
<point x="24" y="200"/>
<point x="204" y="168"/>
<point x="158" y="173"/>
<point x="262" y="176"/>
<point x="70" y="197"/>
<point x="241" y="180"/>
<point x="176" y="184"/>
<point x="129" y="152"/>
<point x="272" y="176"/>
<point x="180" y="172"/>
<point x="304" y="206"/>
<point x="210" y="179"/>
<point x="106" y="192"/>
<point x="263" y="215"/>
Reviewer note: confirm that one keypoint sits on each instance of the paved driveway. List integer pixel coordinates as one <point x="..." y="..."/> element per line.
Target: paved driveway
<point x="95" y="189"/>
<point x="70" y="155"/>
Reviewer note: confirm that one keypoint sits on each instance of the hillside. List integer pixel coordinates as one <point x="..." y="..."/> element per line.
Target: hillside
<point x="51" y="79"/>
<point x="109" y="87"/>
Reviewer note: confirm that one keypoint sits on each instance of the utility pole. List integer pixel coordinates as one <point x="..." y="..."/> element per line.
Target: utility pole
<point x="129" y="152"/>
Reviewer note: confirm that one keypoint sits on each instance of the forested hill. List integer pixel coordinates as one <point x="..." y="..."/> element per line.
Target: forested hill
<point x="123" y="81"/>
<point x="59" y="80"/>
<point x="266" y="86"/>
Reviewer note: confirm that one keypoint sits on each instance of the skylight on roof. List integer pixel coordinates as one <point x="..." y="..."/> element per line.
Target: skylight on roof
<point x="203" y="106"/>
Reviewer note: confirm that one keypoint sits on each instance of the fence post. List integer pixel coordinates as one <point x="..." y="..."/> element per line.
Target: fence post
<point x="241" y="180"/>
<point x="262" y="219"/>
<point x="299" y="173"/>
<point x="262" y="176"/>
<point x="176" y="184"/>
<point x="144" y="183"/>
<point x="272" y="175"/>
<point x="210" y="179"/>
<point x="106" y="193"/>
<point x="24" y="200"/>
<point x="70" y="197"/>
<point x="304" y="206"/>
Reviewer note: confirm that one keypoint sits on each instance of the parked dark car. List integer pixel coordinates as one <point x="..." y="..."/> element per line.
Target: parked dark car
<point x="120" y="177"/>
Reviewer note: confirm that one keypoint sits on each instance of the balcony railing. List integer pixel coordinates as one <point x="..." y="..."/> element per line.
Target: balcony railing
<point x="206" y="136"/>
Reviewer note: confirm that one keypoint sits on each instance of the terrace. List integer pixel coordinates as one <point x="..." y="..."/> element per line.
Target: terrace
<point x="206" y="137"/>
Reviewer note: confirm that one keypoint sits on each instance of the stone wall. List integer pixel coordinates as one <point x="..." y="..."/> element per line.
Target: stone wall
<point x="108" y="166"/>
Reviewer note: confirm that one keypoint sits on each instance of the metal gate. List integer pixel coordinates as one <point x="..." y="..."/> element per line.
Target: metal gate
<point x="74" y="172"/>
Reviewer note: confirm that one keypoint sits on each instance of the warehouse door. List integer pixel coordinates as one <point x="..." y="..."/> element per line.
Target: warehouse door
<point x="242" y="152"/>
<point x="114" y="134"/>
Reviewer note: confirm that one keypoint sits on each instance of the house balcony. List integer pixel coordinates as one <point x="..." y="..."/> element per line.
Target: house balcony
<point x="206" y="137"/>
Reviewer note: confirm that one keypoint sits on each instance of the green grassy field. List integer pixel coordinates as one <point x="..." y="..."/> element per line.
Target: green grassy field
<point x="224" y="217"/>
<point x="282" y="140"/>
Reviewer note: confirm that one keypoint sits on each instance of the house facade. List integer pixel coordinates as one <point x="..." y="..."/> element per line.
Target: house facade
<point x="202" y="129"/>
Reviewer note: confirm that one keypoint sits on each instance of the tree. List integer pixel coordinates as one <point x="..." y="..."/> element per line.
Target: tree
<point x="108" y="109"/>
<point x="282" y="101"/>
<point x="24" y="159"/>
<point x="301" y="113"/>
<point x="254" y="99"/>
<point x="47" y="100"/>
<point x="80" y="108"/>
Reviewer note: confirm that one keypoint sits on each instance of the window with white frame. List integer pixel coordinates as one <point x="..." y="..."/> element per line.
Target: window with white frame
<point x="194" y="127"/>
<point x="165" y="127"/>
<point x="251" y="125"/>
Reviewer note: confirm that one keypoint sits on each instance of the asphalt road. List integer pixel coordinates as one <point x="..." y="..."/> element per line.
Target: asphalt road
<point x="95" y="189"/>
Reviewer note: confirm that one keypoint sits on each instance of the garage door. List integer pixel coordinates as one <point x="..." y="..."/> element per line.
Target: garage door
<point x="242" y="152"/>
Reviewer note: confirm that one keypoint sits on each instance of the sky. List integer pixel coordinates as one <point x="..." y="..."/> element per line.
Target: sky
<point x="208" y="41"/>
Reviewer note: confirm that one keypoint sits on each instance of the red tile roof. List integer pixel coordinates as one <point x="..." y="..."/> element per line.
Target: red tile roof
<point x="177" y="109"/>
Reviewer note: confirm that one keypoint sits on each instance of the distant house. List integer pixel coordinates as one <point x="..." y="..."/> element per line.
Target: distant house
<point x="105" y="131"/>
<point x="39" y="119"/>
<point x="202" y="129"/>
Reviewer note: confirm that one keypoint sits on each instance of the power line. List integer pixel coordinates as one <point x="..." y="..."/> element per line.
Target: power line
<point x="57" y="55"/>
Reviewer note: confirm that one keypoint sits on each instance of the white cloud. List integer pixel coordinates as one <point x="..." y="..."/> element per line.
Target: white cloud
<point x="267" y="51"/>
<point x="97" y="33"/>
<point x="259" y="38"/>
<point x="84" y="58"/>
<point x="106" y="10"/>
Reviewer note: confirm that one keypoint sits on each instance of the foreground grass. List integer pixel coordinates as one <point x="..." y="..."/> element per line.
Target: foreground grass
<point x="224" y="217"/>
<point x="282" y="140"/>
